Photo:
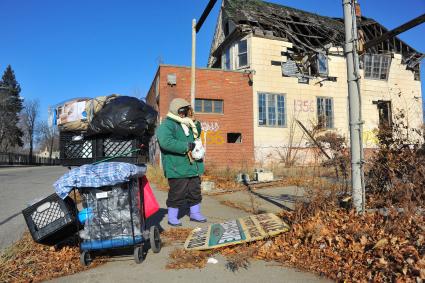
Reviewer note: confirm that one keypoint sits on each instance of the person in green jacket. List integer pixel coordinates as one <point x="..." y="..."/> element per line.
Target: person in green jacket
<point x="176" y="136"/>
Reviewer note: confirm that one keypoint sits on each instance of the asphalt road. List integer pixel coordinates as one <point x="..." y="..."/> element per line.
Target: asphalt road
<point x="18" y="186"/>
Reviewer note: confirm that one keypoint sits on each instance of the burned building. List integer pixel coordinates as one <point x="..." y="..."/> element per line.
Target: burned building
<point x="298" y="70"/>
<point x="271" y="65"/>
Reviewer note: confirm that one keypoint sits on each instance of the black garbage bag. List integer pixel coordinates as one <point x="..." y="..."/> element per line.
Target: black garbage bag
<point x="124" y="116"/>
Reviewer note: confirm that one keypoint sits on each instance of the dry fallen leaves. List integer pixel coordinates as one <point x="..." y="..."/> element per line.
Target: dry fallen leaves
<point x="175" y="235"/>
<point x="27" y="261"/>
<point x="338" y="244"/>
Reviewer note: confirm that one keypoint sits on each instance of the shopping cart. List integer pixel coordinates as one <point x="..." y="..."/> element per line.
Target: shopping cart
<point x="114" y="218"/>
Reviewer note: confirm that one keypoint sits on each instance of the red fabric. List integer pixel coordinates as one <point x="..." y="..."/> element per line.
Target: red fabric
<point x="150" y="204"/>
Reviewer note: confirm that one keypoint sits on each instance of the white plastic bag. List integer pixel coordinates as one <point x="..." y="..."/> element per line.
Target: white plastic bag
<point x="198" y="152"/>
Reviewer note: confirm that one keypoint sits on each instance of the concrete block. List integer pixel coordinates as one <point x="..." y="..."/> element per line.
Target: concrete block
<point x="207" y="186"/>
<point x="263" y="176"/>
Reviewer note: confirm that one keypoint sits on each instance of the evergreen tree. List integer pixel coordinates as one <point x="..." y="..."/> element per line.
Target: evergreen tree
<point x="10" y="107"/>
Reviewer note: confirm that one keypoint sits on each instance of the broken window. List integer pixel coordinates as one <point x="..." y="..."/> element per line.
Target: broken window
<point x="376" y="66"/>
<point x="325" y="116"/>
<point x="227" y="59"/>
<point x="322" y="64"/>
<point x="384" y="112"/>
<point x="208" y="106"/>
<point x="234" y="138"/>
<point x="242" y="54"/>
<point x="271" y="110"/>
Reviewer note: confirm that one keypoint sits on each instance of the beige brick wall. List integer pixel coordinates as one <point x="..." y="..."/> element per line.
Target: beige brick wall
<point x="300" y="99"/>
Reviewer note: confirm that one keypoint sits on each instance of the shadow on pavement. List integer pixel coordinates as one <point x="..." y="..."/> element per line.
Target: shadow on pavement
<point x="155" y="220"/>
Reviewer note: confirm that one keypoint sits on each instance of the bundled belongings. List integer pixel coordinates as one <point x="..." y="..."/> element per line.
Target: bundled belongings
<point x="124" y="116"/>
<point x="108" y="216"/>
<point x="96" y="176"/>
<point x="116" y="199"/>
<point x="76" y="114"/>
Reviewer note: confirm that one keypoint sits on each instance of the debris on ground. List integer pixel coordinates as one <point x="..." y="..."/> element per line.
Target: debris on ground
<point x="180" y="259"/>
<point x="236" y="231"/>
<point x="338" y="244"/>
<point x="212" y="260"/>
<point x="27" y="261"/>
<point x="237" y="205"/>
<point x="175" y="235"/>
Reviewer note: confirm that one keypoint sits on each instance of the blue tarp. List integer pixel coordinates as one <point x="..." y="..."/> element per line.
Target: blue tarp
<point x="95" y="176"/>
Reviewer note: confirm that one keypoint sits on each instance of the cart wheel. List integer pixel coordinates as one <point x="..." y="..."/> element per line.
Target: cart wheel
<point x="85" y="258"/>
<point x="155" y="239"/>
<point x="139" y="254"/>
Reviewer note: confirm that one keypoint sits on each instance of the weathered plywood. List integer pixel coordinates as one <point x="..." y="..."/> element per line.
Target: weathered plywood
<point x="236" y="231"/>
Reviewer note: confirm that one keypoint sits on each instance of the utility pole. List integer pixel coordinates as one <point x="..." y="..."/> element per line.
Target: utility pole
<point x="354" y="102"/>
<point x="192" y="75"/>
<point x="195" y="29"/>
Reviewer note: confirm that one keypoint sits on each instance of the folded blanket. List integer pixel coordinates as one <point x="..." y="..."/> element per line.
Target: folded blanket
<point x="95" y="176"/>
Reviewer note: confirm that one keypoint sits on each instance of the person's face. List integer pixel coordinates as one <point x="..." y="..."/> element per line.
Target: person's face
<point x="183" y="111"/>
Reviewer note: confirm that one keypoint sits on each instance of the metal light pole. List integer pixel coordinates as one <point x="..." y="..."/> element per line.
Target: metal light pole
<point x="354" y="102"/>
<point x="192" y="75"/>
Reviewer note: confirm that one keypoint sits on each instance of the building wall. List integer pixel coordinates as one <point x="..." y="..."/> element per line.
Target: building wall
<point x="300" y="99"/>
<point x="234" y="89"/>
<point x="401" y="89"/>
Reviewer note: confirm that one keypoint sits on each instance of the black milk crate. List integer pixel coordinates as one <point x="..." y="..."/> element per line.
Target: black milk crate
<point x="88" y="150"/>
<point x="51" y="220"/>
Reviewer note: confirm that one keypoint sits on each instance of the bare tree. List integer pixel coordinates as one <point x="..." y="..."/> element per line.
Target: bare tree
<point x="29" y="116"/>
<point x="49" y="137"/>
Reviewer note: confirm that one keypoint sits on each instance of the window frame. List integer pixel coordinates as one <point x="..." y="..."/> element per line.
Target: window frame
<point x="322" y="55"/>
<point x="324" y="98"/>
<point x="202" y="100"/>
<point x="276" y="110"/>
<point x="227" y="52"/>
<point x="371" y="75"/>
<point x="238" y="53"/>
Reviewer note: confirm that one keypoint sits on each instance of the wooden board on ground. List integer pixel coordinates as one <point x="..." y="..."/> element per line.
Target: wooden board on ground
<point x="237" y="231"/>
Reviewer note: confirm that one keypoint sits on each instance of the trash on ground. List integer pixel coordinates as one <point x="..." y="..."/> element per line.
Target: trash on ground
<point x="231" y="232"/>
<point x="212" y="260"/>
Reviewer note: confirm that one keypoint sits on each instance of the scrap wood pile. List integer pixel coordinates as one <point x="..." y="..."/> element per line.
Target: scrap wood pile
<point x="338" y="244"/>
<point x="27" y="261"/>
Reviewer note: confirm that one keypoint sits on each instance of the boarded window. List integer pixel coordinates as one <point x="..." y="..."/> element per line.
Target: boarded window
<point x="325" y="116"/>
<point x="271" y="110"/>
<point x="234" y="138"/>
<point x="208" y="106"/>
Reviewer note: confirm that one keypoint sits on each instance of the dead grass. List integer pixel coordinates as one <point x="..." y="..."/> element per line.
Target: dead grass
<point x="27" y="261"/>
<point x="155" y="175"/>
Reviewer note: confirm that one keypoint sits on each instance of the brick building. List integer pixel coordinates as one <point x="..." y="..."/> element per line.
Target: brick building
<point x="271" y="65"/>
<point x="223" y="105"/>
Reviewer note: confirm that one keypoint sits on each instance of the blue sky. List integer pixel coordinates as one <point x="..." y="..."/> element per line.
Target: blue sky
<point x="65" y="49"/>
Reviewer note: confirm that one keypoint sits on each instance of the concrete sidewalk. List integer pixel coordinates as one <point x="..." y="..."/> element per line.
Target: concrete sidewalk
<point x="153" y="268"/>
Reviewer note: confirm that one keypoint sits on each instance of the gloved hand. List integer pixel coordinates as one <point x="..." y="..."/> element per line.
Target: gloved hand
<point x="190" y="146"/>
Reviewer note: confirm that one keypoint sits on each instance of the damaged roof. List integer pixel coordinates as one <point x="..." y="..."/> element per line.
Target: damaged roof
<point x="308" y="31"/>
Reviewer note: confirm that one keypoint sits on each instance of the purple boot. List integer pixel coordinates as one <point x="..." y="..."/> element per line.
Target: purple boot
<point x="195" y="214"/>
<point x="172" y="217"/>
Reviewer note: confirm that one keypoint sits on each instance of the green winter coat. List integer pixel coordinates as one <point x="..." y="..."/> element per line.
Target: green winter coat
<point x="174" y="147"/>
